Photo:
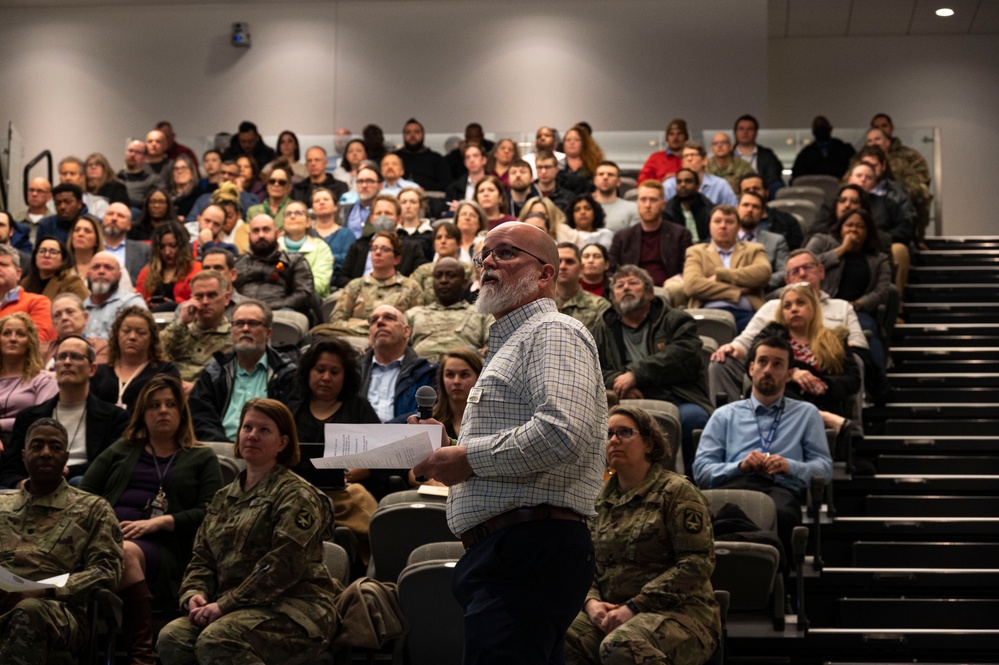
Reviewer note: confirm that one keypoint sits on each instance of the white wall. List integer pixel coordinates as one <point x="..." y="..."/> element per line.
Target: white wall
<point x="85" y="77"/>
<point x="943" y="81"/>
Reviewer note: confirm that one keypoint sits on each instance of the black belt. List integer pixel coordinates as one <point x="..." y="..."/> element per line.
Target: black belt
<point x="517" y="516"/>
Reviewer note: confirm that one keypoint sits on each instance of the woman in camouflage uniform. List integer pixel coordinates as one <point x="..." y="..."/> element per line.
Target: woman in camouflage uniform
<point x="651" y="600"/>
<point x="256" y="589"/>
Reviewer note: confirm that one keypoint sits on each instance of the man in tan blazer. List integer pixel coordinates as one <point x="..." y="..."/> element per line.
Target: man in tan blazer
<point x="726" y="273"/>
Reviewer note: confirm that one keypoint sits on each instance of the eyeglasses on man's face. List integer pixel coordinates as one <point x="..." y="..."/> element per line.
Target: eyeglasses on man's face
<point x="502" y="254"/>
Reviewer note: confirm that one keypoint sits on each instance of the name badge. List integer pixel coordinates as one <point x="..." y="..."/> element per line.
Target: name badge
<point x="474" y="395"/>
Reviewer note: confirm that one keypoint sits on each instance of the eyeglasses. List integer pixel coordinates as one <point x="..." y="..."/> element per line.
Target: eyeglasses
<point x="545" y="167"/>
<point x="381" y="249"/>
<point x="181" y="167"/>
<point x="502" y="254"/>
<point x="367" y="181"/>
<point x="277" y="181"/>
<point x="846" y="199"/>
<point x="247" y="323"/>
<point x="37" y="190"/>
<point x="621" y="433"/>
<point x="70" y="355"/>
<point x="45" y="251"/>
<point x="800" y="270"/>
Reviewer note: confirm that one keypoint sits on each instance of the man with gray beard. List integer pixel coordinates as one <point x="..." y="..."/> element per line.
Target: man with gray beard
<point x="133" y="254"/>
<point x="649" y="350"/>
<point x="528" y="464"/>
<point x="105" y="299"/>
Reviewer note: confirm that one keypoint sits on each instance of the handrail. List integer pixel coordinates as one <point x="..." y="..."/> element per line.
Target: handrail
<point x="44" y="154"/>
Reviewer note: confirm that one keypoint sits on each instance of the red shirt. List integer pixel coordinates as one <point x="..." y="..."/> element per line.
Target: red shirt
<point x="659" y="166"/>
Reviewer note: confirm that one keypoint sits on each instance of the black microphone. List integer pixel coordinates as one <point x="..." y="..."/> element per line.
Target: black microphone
<point x="426" y="398"/>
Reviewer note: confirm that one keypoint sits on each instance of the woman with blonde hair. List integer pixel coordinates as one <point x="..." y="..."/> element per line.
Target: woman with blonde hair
<point x="542" y="212"/>
<point x="185" y="186"/>
<point x="582" y="154"/>
<point x="22" y="381"/>
<point x="102" y="181"/>
<point x="471" y="221"/>
<point x="500" y="157"/>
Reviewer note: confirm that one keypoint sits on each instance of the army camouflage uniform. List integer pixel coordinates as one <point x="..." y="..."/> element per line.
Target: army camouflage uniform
<point x="584" y="307"/>
<point x="424" y="276"/>
<point x="655" y="548"/>
<point x="362" y="295"/>
<point x="910" y="168"/>
<point x="437" y="328"/>
<point x="190" y="347"/>
<point x="67" y="531"/>
<point x="736" y="168"/>
<point x="259" y="555"/>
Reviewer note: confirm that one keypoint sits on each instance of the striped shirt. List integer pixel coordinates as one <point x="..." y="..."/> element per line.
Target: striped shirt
<point x="535" y="423"/>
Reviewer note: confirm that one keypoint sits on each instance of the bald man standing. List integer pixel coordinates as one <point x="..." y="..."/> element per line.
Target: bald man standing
<point x="528" y="465"/>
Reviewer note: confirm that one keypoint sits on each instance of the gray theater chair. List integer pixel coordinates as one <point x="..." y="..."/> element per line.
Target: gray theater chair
<point x="394" y="531"/>
<point x="436" y="634"/>
<point x="668" y="417"/>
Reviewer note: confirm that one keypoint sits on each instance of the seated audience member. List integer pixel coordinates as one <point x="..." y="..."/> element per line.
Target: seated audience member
<point x="471" y="220"/>
<point x="51" y="271"/>
<point x="211" y="164"/>
<point x="135" y="356"/>
<point x="230" y="180"/>
<point x="290" y="152"/>
<point x="724" y="163"/>
<point x="391" y="371"/>
<point x="908" y="165"/>
<point x="355" y="215"/>
<point x="656" y="246"/>
<point x="545" y="140"/>
<point x="16" y="235"/>
<point x="727" y="367"/>
<point x="253" y="369"/>
<point x="23" y="381"/>
<point x="249" y="142"/>
<point x="327" y="227"/>
<point x="17" y="299"/>
<point x="93" y="425"/>
<point x="823" y="156"/>
<point x="619" y="213"/>
<point x="726" y="273"/>
<point x="270" y="599"/>
<point x="520" y="184"/>
<point x="132" y="254"/>
<point x="654" y="553"/>
<point x="156" y="157"/>
<point x="85" y="240"/>
<point x="594" y="277"/>
<point x="412" y="226"/>
<point x="661" y="165"/>
<point x="424" y="166"/>
<point x="716" y="189"/>
<point x="463" y="189"/>
<point x="268" y="273"/>
<point x="200" y="329"/>
<point x="651" y="350"/>
<point x="159" y="480"/>
<point x="68" y="200"/>
<point x="491" y="195"/>
<point x="688" y="207"/>
<point x="761" y="160"/>
<point x="453" y="155"/>
<point x="449" y="322"/>
<point x="250" y="178"/>
<point x="547" y="183"/>
<point x="166" y="281"/>
<point x="157" y="210"/>
<point x="211" y="232"/>
<point x="374" y="142"/>
<point x="856" y="270"/>
<point x="137" y="177"/>
<point x="823" y="370"/>
<point x="848" y="199"/>
<point x="295" y="240"/>
<point x="184" y="187"/>
<point x="582" y="154"/>
<point x="773" y="220"/>
<point x="106" y="295"/>
<point x="550" y="218"/>
<point x="315" y="165"/>
<point x="588" y="219"/>
<point x="446" y="244"/>
<point x="278" y="196"/>
<point x="750" y="212"/>
<point x="501" y="157"/>
<point x="886" y="183"/>
<point x="781" y="462"/>
<point x="39" y="202"/>
<point x="354" y="155"/>
<point x="101" y="180"/>
<point x="392" y="171"/>
<point x="55" y="619"/>
<point x="71" y="172"/>
<point x="69" y="317"/>
<point x="223" y="262"/>
<point x="385" y="213"/>
<point x="570" y="297"/>
<point x="383" y="285"/>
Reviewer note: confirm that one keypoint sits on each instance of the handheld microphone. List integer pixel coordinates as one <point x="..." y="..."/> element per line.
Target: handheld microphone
<point x="426" y="398"/>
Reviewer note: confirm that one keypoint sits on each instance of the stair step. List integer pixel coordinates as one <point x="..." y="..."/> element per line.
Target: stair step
<point x="880" y="554"/>
<point x="892" y="506"/>
<point x="944" y="379"/>
<point x="954" y="293"/>
<point x="938" y="464"/>
<point x="920" y="483"/>
<point x="923" y="427"/>
<point x="931" y="410"/>
<point x="952" y="274"/>
<point x="946" y="394"/>
<point x="956" y="613"/>
<point x="949" y="341"/>
<point x="944" y="443"/>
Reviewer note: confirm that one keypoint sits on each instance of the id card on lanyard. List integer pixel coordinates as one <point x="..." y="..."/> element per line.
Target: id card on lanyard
<point x="767" y="441"/>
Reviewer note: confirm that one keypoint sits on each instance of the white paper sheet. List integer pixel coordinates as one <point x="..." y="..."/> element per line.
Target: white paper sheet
<point x="377" y="446"/>
<point x="15" y="584"/>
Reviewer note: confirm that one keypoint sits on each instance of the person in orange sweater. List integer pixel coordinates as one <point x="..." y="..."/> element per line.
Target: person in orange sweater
<point x="16" y="299"/>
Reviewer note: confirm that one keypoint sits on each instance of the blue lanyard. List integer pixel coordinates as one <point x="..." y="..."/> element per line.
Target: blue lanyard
<point x="766" y="441"/>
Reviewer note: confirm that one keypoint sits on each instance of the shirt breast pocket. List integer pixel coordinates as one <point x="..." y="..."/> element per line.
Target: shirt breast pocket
<point x="246" y="527"/>
<point x="60" y="548"/>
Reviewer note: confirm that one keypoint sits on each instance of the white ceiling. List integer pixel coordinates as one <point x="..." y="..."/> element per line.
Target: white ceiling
<point x="840" y="18"/>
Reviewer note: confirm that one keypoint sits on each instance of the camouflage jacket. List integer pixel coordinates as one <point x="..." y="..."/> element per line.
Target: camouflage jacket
<point x="437" y="328"/>
<point x="362" y="295"/>
<point x="424" y="276"/>
<point x="584" y="307"/>
<point x="190" y="347"/>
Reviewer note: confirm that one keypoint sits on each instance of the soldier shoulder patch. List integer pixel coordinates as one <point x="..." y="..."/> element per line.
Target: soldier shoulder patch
<point x="693" y="520"/>
<point x="304" y="519"/>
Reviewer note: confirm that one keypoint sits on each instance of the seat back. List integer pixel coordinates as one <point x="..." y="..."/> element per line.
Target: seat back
<point x="337" y="562"/>
<point x="410" y="496"/>
<point x="436" y="621"/>
<point x="828" y="184"/>
<point x="804" y="208"/>
<point x="816" y="195"/>
<point x="717" y="324"/>
<point x="396" y="530"/>
<point x="443" y="551"/>
<point x="668" y="417"/>
<point x="289" y="328"/>
<point x="748" y="572"/>
<point x="758" y="506"/>
<point x="708" y="347"/>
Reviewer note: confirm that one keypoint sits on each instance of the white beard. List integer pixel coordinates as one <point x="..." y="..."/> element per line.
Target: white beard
<point x="496" y="297"/>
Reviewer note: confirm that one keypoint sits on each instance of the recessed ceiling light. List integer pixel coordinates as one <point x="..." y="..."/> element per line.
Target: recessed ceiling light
<point x="945" y="12"/>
